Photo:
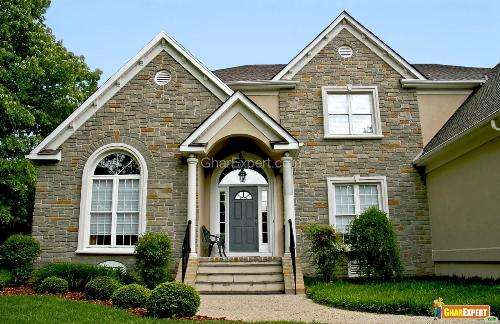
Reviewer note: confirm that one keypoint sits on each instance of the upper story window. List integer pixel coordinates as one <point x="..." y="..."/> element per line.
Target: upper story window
<point x="348" y="197"/>
<point x="351" y="112"/>
<point x="113" y="200"/>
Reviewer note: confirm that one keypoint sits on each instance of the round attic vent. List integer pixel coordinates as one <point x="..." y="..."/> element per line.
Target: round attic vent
<point x="162" y="77"/>
<point x="345" y="51"/>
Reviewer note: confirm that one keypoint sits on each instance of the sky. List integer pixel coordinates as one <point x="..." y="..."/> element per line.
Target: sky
<point x="231" y="33"/>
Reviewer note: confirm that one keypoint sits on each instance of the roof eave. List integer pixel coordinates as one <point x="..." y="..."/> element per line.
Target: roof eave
<point x="262" y="84"/>
<point x="441" y="84"/>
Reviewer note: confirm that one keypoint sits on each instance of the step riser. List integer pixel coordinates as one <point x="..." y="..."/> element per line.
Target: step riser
<point x="241" y="287"/>
<point x="229" y="278"/>
<point x="204" y="269"/>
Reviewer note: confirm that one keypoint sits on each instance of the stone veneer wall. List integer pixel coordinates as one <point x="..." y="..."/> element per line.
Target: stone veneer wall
<point x="302" y="114"/>
<point x="154" y="120"/>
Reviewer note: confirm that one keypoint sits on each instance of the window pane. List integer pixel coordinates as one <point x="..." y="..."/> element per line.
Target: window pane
<point x="337" y="104"/>
<point x="361" y="103"/>
<point x="265" y="230"/>
<point x="117" y="164"/>
<point x="128" y="195"/>
<point x="100" y="229"/>
<point x="368" y="196"/>
<point x="222" y="212"/>
<point x="344" y="200"/>
<point x="362" y="124"/>
<point x="127" y="228"/>
<point x="101" y="195"/>
<point x="343" y="223"/>
<point x="339" y="124"/>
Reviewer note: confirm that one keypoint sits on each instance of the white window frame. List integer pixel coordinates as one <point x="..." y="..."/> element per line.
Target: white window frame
<point x="84" y="246"/>
<point x="356" y="180"/>
<point x="350" y="89"/>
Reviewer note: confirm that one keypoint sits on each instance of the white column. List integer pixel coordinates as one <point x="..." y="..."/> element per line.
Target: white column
<point x="288" y="198"/>
<point x="191" y="200"/>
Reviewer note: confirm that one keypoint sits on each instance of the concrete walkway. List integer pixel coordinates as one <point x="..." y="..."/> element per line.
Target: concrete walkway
<point x="250" y="308"/>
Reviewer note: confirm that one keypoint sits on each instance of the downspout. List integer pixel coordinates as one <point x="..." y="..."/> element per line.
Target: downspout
<point x="494" y="125"/>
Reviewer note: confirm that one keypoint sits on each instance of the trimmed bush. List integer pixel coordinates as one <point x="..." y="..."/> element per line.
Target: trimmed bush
<point x="101" y="288"/>
<point x="173" y="299"/>
<point x="374" y="247"/>
<point x="52" y="285"/>
<point x="152" y="258"/>
<point x="327" y="250"/>
<point x="76" y="274"/>
<point x="19" y="253"/>
<point x="129" y="296"/>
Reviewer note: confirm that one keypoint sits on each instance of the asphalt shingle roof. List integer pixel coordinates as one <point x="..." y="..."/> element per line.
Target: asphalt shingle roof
<point x="451" y="72"/>
<point x="479" y="107"/>
<point x="431" y="71"/>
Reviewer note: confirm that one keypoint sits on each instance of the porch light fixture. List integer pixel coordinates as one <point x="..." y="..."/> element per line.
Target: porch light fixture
<point x="242" y="174"/>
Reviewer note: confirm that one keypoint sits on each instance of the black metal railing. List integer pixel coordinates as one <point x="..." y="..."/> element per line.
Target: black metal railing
<point x="186" y="249"/>
<point x="292" y="254"/>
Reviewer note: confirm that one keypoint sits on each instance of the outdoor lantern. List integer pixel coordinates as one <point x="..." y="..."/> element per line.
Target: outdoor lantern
<point x="243" y="175"/>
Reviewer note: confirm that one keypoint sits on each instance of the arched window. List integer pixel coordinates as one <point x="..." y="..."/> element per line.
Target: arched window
<point x="113" y="200"/>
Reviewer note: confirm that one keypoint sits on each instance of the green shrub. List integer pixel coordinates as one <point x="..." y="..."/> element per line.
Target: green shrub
<point x="5" y="278"/>
<point x="173" y="299"/>
<point x="53" y="285"/>
<point x="19" y="253"/>
<point x="133" y="295"/>
<point x="76" y="274"/>
<point x="152" y="258"/>
<point x="374" y="247"/>
<point x="101" y="288"/>
<point x="326" y="250"/>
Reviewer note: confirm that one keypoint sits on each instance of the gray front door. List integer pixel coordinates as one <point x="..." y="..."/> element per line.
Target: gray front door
<point x="243" y="220"/>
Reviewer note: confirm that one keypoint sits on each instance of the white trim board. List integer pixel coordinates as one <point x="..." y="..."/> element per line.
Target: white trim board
<point x="162" y="42"/>
<point x="215" y="122"/>
<point x="345" y="21"/>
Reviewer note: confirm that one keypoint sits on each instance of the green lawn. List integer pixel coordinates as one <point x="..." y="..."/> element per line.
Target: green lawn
<point x="51" y="309"/>
<point x="412" y="297"/>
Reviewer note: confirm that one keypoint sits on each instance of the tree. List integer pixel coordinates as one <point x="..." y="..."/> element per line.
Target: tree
<point x="41" y="83"/>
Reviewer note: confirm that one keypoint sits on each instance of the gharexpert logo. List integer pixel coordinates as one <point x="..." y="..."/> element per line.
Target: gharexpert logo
<point x="466" y="311"/>
<point x="461" y="311"/>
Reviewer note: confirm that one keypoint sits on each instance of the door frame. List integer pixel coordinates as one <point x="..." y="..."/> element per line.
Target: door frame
<point x="265" y="249"/>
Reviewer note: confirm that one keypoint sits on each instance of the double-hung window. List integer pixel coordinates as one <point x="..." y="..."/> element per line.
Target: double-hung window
<point x="351" y="111"/>
<point x="348" y="197"/>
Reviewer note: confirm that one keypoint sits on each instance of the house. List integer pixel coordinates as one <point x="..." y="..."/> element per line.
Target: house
<point x="254" y="153"/>
<point x="462" y="167"/>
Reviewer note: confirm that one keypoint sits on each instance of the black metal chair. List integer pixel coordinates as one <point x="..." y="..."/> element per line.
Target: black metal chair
<point x="212" y="239"/>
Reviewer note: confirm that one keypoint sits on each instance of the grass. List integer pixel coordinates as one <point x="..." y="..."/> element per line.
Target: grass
<point x="50" y="309"/>
<point x="411" y="297"/>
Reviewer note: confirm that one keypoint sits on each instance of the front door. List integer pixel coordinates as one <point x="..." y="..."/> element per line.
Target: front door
<point x="243" y="219"/>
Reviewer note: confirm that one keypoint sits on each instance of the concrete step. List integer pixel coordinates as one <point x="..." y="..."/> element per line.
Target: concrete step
<point x="240" y="277"/>
<point x="244" y="268"/>
<point x="241" y="288"/>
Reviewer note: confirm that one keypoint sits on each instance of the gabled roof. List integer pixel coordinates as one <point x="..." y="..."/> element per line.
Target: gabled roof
<point x="431" y="71"/>
<point x="345" y="21"/>
<point x="197" y="140"/>
<point x="162" y="42"/>
<point x="480" y="108"/>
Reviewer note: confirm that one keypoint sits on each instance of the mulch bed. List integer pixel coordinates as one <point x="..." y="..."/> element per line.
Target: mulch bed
<point x="80" y="296"/>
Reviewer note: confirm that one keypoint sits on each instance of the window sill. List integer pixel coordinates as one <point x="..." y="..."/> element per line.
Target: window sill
<point x="107" y="250"/>
<point x="353" y="137"/>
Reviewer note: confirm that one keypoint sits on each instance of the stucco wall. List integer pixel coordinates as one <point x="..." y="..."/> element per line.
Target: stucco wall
<point x="154" y="120"/>
<point x="463" y="202"/>
<point x="268" y="102"/>
<point x="302" y="114"/>
<point x="436" y="107"/>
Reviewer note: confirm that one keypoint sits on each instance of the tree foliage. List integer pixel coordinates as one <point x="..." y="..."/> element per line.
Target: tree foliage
<point x="41" y="83"/>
